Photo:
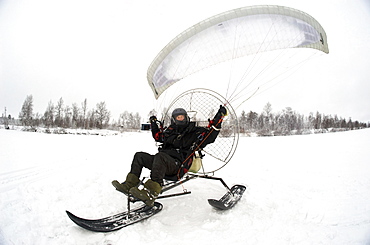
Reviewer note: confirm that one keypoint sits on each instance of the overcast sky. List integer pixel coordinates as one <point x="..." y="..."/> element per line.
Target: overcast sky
<point x="101" y="50"/>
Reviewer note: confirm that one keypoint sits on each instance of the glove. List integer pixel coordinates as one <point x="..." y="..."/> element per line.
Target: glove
<point x="222" y="111"/>
<point x="152" y="119"/>
<point x="155" y="124"/>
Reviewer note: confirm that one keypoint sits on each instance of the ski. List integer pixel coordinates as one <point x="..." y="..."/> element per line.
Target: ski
<point x="229" y="199"/>
<point x="117" y="221"/>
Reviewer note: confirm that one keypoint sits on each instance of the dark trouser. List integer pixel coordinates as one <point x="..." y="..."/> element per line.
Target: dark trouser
<point x="160" y="164"/>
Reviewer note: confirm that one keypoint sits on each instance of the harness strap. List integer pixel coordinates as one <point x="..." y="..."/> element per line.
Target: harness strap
<point x="213" y="127"/>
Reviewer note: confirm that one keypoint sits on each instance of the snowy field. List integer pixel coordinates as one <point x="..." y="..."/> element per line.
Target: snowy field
<point x="311" y="189"/>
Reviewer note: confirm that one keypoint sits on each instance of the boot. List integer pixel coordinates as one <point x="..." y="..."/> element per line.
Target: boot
<point x="149" y="193"/>
<point x="131" y="181"/>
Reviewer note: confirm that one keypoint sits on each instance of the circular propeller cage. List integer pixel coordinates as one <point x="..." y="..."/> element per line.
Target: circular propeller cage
<point x="201" y="105"/>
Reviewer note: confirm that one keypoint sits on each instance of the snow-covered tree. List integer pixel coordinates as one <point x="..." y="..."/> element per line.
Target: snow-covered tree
<point x="26" y="113"/>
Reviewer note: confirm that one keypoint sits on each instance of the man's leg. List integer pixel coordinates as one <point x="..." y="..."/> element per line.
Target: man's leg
<point x="163" y="164"/>
<point x="141" y="159"/>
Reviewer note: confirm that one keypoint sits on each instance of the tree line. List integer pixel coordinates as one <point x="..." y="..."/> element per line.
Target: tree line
<point x="266" y="123"/>
<point x="76" y="116"/>
<point x="287" y="122"/>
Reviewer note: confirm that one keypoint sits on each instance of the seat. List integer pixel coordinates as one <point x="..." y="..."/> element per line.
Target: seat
<point x="171" y="177"/>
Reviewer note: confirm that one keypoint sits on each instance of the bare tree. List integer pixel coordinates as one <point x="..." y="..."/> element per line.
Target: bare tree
<point x="252" y="120"/>
<point x="137" y="121"/>
<point x="128" y="120"/>
<point x="59" y="113"/>
<point x="67" y="120"/>
<point x="84" y="112"/>
<point x="91" y="119"/>
<point x="26" y="113"/>
<point x="243" y="122"/>
<point x="49" y="115"/>
<point x="102" y="115"/>
<point x="153" y="112"/>
<point x="75" y="115"/>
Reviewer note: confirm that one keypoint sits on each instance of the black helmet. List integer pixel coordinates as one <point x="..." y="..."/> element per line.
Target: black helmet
<point x="180" y="111"/>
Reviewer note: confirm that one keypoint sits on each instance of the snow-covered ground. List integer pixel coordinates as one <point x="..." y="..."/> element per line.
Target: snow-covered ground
<point x="311" y="189"/>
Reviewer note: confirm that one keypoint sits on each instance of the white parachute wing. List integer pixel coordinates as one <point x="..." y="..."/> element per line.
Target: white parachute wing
<point x="233" y="34"/>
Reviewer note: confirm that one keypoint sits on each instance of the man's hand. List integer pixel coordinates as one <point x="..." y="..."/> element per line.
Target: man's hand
<point x="222" y="111"/>
<point x="153" y="119"/>
<point x="217" y="120"/>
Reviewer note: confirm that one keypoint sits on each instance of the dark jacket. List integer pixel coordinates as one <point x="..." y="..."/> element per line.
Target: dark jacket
<point x="181" y="142"/>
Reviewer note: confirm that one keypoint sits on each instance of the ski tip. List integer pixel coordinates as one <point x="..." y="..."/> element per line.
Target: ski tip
<point x="70" y="215"/>
<point x="211" y="201"/>
<point x="243" y="187"/>
<point x="158" y="205"/>
<point x="217" y="204"/>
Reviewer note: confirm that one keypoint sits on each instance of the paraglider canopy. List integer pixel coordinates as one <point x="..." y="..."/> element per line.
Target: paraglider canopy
<point x="233" y="34"/>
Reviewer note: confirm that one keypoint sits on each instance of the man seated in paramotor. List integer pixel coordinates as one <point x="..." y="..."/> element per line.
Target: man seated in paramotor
<point x="179" y="141"/>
